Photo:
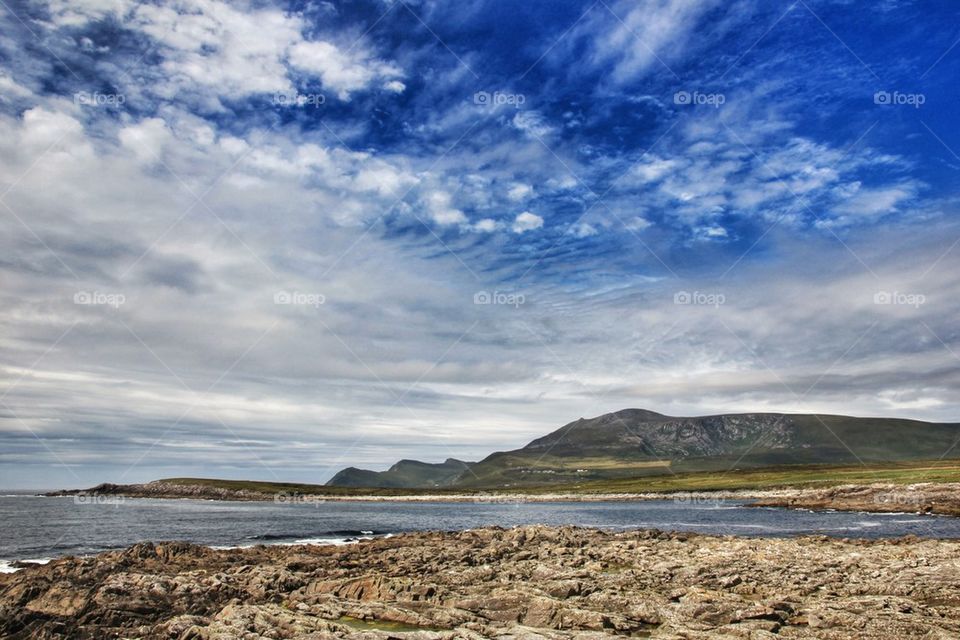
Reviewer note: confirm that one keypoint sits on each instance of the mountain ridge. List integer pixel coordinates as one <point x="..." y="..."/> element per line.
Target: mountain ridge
<point x="639" y="442"/>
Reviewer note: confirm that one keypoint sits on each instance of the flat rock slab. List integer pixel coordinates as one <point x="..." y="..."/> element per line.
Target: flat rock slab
<point x="527" y="582"/>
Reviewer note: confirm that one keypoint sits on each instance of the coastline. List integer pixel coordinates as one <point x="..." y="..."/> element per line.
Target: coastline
<point x="534" y="581"/>
<point x="925" y="498"/>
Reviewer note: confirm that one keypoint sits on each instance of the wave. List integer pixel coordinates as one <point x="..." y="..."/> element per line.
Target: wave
<point x="287" y="542"/>
<point x="335" y="534"/>
<point x="6" y="566"/>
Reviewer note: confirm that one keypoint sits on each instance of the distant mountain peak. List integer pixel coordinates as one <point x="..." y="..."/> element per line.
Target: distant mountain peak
<point x="633" y="442"/>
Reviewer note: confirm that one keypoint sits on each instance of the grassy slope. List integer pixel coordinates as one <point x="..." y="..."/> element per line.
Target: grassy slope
<point x="819" y="440"/>
<point x="794" y="476"/>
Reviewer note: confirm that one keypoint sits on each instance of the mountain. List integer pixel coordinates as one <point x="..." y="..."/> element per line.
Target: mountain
<point x="404" y="474"/>
<point x="636" y="442"/>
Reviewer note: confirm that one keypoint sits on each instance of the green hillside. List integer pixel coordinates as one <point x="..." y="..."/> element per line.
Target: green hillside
<point x="636" y="443"/>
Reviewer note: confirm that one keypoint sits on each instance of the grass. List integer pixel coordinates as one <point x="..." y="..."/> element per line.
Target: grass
<point x="776" y="477"/>
<point x="381" y="625"/>
<point x="764" y="478"/>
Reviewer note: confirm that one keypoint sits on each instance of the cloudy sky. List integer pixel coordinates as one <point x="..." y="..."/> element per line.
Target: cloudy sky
<point x="259" y="240"/>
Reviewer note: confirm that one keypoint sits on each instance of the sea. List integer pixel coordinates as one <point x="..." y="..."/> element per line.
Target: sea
<point x="37" y="529"/>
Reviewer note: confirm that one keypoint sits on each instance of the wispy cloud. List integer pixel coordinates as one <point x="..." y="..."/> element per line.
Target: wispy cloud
<point x="259" y="237"/>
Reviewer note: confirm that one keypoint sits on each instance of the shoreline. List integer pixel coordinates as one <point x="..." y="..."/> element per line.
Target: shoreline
<point x="919" y="498"/>
<point x="556" y="582"/>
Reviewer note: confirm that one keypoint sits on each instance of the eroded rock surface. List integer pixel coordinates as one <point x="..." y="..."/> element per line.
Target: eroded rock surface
<point x="528" y="582"/>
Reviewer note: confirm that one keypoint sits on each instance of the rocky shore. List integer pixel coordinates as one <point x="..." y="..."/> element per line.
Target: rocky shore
<point x="160" y="489"/>
<point x="939" y="498"/>
<point x="529" y="582"/>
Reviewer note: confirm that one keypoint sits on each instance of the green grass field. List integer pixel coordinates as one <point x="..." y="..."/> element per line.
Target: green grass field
<point x="769" y="478"/>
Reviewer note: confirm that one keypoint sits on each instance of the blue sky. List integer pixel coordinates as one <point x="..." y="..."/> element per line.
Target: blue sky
<point x="272" y="240"/>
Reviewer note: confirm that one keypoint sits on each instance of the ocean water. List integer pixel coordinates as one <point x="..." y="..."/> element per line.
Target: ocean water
<point x="38" y="528"/>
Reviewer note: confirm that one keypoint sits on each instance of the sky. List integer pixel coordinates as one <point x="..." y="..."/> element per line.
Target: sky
<point x="272" y="240"/>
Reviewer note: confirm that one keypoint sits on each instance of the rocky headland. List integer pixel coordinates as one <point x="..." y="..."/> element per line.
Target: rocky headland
<point x="936" y="498"/>
<point x="528" y="582"/>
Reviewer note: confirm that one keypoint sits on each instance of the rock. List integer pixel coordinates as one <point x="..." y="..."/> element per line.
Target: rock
<point x="528" y="582"/>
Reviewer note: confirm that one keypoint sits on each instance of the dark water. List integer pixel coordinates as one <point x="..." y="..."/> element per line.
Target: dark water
<point x="43" y="528"/>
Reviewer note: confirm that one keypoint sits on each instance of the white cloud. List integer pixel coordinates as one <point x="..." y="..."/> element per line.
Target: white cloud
<point x="653" y="169"/>
<point x="344" y="71"/>
<point x="532" y="123"/>
<point x="74" y="13"/>
<point x="227" y="51"/>
<point x="213" y="51"/>
<point x="583" y="230"/>
<point x="874" y="202"/>
<point x="638" y="36"/>
<point x="441" y="209"/>
<point x="519" y="191"/>
<point x="527" y="221"/>
<point x="146" y="139"/>
<point x="486" y="225"/>
<point x="637" y="223"/>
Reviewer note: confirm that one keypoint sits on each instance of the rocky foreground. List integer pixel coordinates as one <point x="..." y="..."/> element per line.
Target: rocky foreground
<point x="529" y="582"/>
